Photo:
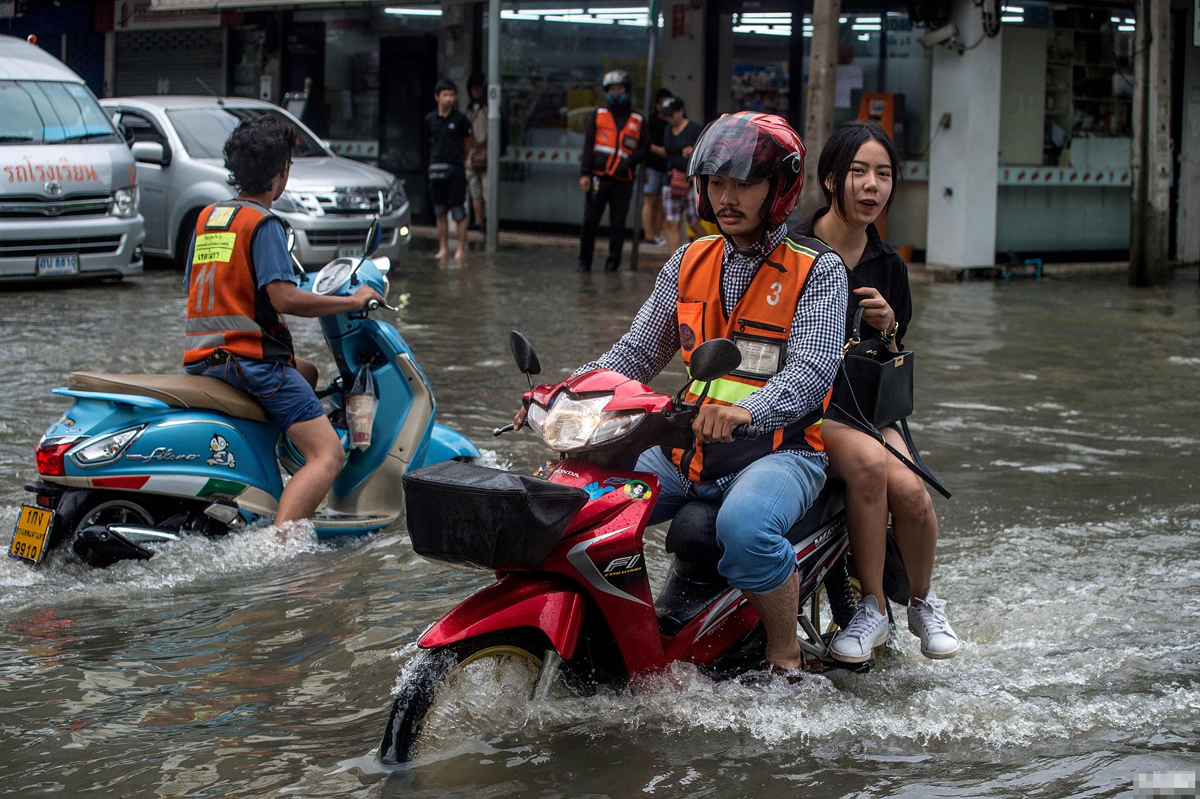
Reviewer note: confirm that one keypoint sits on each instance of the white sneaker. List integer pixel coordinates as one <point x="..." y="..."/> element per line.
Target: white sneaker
<point x="927" y="619"/>
<point x="867" y="630"/>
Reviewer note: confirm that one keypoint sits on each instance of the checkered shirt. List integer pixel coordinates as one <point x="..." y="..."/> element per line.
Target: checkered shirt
<point x="814" y="343"/>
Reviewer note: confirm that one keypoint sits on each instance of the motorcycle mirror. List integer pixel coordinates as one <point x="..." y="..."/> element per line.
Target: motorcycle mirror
<point x="713" y="359"/>
<point x="523" y="354"/>
<point x="291" y="239"/>
<point x="374" y="236"/>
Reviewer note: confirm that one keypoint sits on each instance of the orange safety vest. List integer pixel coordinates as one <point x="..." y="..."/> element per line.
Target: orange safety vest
<point x="226" y="310"/>
<point x="611" y="148"/>
<point x="760" y="325"/>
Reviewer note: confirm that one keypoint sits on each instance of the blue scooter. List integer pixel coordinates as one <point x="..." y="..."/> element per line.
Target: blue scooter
<point x="141" y="460"/>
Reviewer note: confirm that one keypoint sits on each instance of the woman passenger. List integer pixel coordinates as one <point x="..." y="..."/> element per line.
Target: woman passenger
<point x="857" y="171"/>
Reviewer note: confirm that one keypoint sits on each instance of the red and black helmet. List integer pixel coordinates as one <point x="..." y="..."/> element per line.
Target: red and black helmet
<point x="751" y="146"/>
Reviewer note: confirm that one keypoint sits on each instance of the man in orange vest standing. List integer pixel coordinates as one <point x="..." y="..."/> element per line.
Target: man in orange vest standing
<point x="240" y="281"/>
<point x="783" y="302"/>
<point x="615" y="142"/>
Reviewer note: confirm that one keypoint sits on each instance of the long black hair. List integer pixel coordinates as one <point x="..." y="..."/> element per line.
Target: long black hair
<point x="838" y="155"/>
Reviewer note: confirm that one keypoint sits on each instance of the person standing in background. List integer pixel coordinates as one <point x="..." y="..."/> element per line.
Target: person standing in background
<point x="477" y="164"/>
<point x="616" y="141"/>
<point x="448" y="132"/>
<point x="678" y="194"/>
<point x="656" y="174"/>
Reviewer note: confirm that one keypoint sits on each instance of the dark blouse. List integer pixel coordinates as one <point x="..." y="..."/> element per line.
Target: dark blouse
<point x="880" y="268"/>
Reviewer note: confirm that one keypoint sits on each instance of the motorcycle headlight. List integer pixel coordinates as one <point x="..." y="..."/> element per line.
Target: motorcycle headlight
<point x="125" y="202"/>
<point x="295" y="203"/>
<point x="574" y="423"/>
<point x="106" y="449"/>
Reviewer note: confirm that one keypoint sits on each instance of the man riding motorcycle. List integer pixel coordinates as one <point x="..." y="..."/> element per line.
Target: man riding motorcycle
<point x="240" y="281"/>
<point x="783" y="303"/>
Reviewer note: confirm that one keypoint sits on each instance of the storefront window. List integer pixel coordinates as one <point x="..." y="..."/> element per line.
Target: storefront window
<point x="552" y="62"/>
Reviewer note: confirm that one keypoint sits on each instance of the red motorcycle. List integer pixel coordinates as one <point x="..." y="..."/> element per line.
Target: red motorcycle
<point x="572" y="598"/>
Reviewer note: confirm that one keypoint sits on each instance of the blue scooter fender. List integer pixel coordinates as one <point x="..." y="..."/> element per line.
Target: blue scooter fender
<point x="446" y="444"/>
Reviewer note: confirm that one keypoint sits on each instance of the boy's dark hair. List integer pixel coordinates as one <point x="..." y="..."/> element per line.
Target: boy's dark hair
<point x="445" y="85"/>
<point x="258" y="150"/>
<point x="662" y="94"/>
<point x="838" y="156"/>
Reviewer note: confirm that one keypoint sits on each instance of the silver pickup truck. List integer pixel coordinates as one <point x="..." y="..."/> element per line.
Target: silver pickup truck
<point x="177" y="143"/>
<point x="68" y="194"/>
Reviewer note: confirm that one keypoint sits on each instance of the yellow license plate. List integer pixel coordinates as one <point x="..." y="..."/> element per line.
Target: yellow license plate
<point x="32" y="532"/>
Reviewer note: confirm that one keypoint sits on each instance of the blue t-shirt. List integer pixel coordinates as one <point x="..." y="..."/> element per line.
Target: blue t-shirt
<point x="272" y="261"/>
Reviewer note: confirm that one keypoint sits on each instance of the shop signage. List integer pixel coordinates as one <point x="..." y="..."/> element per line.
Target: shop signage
<point x="214" y="5"/>
<point x="679" y="20"/>
<point x="141" y="15"/>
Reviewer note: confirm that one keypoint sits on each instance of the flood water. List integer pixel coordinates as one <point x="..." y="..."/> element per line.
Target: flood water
<point x="1063" y="415"/>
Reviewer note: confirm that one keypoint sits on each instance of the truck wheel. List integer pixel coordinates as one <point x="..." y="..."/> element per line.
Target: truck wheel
<point x="184" y="240"/>
<point x="424" y="707"/>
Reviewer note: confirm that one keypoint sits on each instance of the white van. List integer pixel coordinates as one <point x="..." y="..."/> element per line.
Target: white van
<point x="68" y="188"/>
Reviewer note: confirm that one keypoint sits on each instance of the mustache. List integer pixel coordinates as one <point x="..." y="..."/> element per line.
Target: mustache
<point x="731" y="211"/>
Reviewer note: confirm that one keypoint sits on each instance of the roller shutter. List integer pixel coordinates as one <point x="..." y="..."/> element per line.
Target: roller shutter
<point x="146" y="57"/>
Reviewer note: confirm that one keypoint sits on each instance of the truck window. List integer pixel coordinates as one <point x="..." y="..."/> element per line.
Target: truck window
<point x="51" y="112"/>
<point x="141" y="129"/>
<point x="204" y="130"/>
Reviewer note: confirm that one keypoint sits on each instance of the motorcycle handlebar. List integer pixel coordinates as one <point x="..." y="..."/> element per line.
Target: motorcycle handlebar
<point x="748" y="431"/>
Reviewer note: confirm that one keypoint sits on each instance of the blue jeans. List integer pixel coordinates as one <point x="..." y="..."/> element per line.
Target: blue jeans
<point x="757" y="509"/>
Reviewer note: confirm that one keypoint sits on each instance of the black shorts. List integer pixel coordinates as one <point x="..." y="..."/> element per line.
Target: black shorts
<point x="448" y="191"/>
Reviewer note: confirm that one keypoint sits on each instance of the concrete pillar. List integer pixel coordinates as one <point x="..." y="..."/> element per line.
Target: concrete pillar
<point x="964" y="115"/>
<point x="822" y="86"/>
<point x="682" y="59"/>
<point x="1150" y="174"/>
<point x="457" y="45"/>
<point x="1188" y="227"/>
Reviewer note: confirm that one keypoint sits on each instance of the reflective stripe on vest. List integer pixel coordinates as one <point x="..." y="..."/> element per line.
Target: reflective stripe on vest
<point x="760" y="324"/>
<point x="226" y="310"/>
<point x="619" y="146"/>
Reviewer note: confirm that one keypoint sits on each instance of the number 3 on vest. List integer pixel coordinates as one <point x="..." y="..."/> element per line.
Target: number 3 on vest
<point x="773" y="297"/>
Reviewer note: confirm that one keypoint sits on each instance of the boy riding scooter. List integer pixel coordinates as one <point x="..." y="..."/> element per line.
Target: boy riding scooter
<point x="240" y="280"/>
<point x="783" y="302"/>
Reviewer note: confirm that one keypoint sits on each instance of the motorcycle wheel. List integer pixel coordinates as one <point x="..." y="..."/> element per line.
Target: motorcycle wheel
<point x="426" y="696"/>
<point x="108" y="507"/>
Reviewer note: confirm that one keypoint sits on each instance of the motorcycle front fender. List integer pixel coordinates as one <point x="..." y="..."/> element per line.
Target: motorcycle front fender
<point x="514" y="601"/>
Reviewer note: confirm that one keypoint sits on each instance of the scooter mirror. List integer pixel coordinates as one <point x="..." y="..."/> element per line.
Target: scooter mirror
<point x="291" y="239"/>
<point x="714" y="358"/>
<point x="523" y="354"/>
<point x="374" y="236"/>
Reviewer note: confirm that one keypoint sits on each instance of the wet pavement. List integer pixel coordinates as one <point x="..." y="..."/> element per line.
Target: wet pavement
<point x="1063" y="415"/>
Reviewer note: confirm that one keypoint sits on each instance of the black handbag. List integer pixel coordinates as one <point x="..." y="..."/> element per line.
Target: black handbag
<point x="876" y="384"/>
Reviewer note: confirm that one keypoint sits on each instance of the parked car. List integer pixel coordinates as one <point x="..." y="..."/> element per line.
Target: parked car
<point x="68" y="197"/>
<point x="330" y="201"/>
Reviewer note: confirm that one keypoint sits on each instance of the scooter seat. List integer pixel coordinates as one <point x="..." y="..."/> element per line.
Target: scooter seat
<point x="693" y="532"/>
<point x="178" y="391"/>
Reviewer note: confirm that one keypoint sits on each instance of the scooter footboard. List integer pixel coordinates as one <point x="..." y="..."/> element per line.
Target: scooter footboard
<point x="513" y="601"/>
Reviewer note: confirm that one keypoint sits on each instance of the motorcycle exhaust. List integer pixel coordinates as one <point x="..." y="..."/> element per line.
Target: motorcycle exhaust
<point x="103" y="545"/>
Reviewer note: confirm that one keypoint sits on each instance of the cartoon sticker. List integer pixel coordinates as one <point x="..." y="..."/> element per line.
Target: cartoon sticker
<point x="637" y="490"/>
<point x="687" y="337"/>
<point x="594" y="490"/>
<point x="221" y="456"/>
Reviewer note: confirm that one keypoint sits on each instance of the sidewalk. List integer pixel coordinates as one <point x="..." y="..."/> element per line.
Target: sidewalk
<point x="650" y="257"/>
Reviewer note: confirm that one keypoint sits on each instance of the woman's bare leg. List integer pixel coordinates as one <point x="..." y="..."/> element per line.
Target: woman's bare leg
<point x="859" y="461"/>
<point x="913" y="518"/>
